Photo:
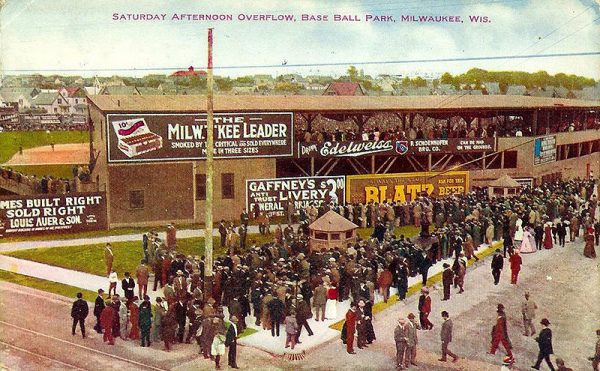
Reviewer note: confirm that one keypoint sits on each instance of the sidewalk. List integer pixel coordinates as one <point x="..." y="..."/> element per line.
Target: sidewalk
<point x="260" y="340"/>
<point x="40" y="244"/>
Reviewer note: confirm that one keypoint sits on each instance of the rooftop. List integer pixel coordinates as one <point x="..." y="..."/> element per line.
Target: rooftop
<point x="319" y="103"/>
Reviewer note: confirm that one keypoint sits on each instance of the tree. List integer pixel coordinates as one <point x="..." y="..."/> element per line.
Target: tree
<point x="352" y="73"/>
<point x="447" y="78"/>
<point x="419" y="82"/>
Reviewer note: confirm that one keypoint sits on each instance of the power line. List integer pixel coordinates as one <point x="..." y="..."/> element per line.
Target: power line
<point x="347" y="63"/>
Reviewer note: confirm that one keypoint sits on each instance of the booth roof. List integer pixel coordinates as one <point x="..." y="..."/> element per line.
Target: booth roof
<point x="504" y="181"/>
<point x="332" y="222"/>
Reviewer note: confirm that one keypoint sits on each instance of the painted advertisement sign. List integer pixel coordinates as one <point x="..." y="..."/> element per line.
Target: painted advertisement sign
<point x="77" y="212"/>
<point x="404" y="186"/>
<point x="171" y="137"/>
<point x="544" y="150"/>
<point x="273" y="195"/>
<point x="396" y="147"/>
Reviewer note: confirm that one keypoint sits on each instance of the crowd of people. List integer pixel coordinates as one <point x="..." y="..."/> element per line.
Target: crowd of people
<point x="391" y="127"/>
<point x="284" y="282"/>
<point x="47" y="184"/>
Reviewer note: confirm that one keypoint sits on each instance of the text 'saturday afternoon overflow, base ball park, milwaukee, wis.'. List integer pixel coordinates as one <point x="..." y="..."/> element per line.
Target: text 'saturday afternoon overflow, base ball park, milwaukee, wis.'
<point x="307" y="185"/>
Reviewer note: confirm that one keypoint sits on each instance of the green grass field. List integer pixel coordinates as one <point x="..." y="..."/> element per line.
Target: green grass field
<point x="90" y="258"/>
<point x="48" y="286"/>
<point x="10" y="141"/>
<point x="127" y="255"/>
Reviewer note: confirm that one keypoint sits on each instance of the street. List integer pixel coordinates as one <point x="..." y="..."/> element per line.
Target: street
<point x="561" y="281"/>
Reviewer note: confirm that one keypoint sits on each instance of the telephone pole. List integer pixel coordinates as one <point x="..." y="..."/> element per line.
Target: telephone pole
<point x="208" y="216"/>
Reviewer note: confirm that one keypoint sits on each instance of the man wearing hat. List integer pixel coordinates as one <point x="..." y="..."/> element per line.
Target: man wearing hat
<point x="303" y="313"/>
<point x="545" y="344"/>
<point x="180" y="284"/>
<point x="98" y="308"/>
<point x="446" y="337"/>
<point x="500" y="333"/>
<point x="411" y="344"/>
<point x="231" y="341"/>
<point x="528" y="308"/>
<point x="128" y="286"/>
<point x="425" y="309"/>
<point x="401" y="339"/>
<point x="447" y="278"/>
<point x="497" y="266"/>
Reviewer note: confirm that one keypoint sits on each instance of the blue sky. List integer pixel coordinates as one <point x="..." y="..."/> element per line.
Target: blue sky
<point x="74" y="34"/>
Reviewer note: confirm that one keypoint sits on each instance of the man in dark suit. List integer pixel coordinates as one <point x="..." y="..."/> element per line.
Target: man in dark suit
<point x="538" y="235"/>
<point x="181" y="316"/>
<point x="231" y="342"/>
<point x="79" y="312"/>
<point x="545" y="345"/>
<point x="128" y="284"/>
<point x="447" y="278"/>
<point x="277" y="313"/>
<point x="497" y="265"/>
<point x="98" y="308"/>
<point x="222" y="232"/>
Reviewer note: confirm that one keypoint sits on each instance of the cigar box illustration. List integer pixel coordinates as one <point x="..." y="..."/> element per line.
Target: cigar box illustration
<point x="135" y="138"/>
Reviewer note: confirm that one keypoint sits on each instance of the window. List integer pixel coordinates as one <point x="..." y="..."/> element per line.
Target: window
<point x="321" y="236"/>
<point x="76" y="100"/>
<point x="136" y="199"/>
<point x="335" y="236"/>
<point x="349" y="234"/>
<point x="200" y="186"/>
<point x="55" y="110"/>
<point x="59" y="101"/>
<point x="227" y="186"/>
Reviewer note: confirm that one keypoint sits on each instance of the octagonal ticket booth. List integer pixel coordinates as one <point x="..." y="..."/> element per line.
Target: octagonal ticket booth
<point x="504" y="186"/>
<point x="331" y="230"/>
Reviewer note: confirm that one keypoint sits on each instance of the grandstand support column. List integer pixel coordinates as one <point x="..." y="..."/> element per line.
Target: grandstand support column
<point x="534" y="120"/>
<point x="312" y="166"/>
<point x="548" y="113"/>
<point x="372" y="164"/>
<point x="208" y="217"/>
<point x="429" y="162"/>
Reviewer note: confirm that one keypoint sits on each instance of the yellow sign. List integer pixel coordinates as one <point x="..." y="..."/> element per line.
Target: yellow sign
<point x="405" y="186"/>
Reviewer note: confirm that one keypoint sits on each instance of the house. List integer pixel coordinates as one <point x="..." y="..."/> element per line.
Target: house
<point x="76" y="98"/>
<point x="588" y="93"/>
<point x="51" y="102"/>
<point x="189" y="72"/>
<point x="315" y="86"/>
<point x="445" y="89"/>
<point x="516" y="90"/>
<point x="149" y="91"/>
<point x="344" y="88"/>
<point x="119" y="90"/>
<point x="21" y="97"/>
<point x="492" y="88"/>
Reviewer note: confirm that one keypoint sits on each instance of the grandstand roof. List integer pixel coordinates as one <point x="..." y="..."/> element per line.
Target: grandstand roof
<point x="301" y="103"/>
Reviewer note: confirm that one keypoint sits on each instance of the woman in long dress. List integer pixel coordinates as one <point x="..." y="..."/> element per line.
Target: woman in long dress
<point x="528" y="244"/>
<point x="548" y="242"/>
<point x="331" y="304"/>
<point x="588" y="250"/>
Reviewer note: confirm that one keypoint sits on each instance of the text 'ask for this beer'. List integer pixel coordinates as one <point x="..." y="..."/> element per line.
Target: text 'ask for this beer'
<point x="404" y="187"/>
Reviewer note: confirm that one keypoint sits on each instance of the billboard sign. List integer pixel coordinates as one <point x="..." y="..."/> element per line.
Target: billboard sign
<point x="170" y="137"/>
<point x="544" y="150"/>
<point x="42" y="214"/>
<point x="404" y="186"/>
<point x="396" y="147"/>
<point x="273" y="195"/>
